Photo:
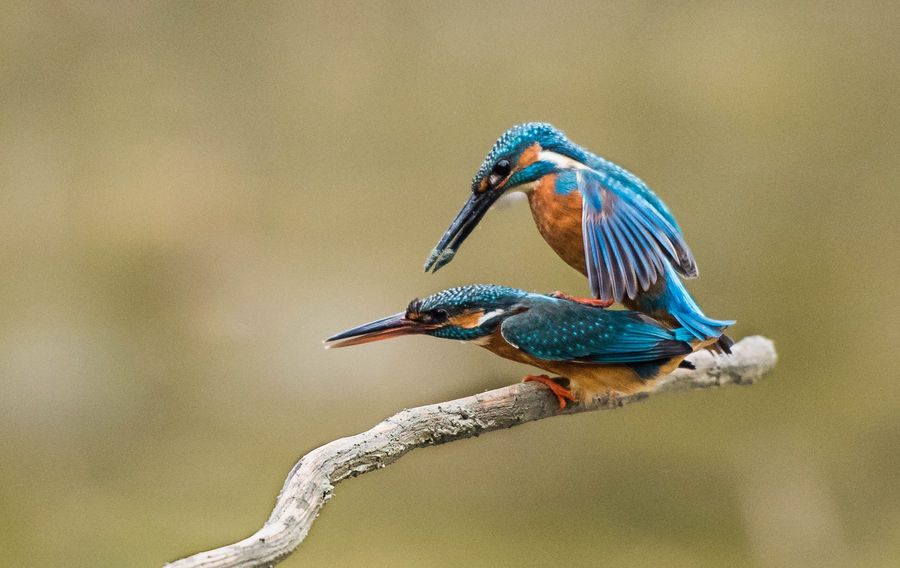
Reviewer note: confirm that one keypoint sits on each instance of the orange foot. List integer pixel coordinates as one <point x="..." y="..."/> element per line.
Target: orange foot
<point x="561" y="392"/>
<point x="593" y="302"/>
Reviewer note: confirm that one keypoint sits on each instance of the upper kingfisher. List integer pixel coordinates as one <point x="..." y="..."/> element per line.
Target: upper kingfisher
<point x="600" y="218"/>
<point x="599" y="351"/>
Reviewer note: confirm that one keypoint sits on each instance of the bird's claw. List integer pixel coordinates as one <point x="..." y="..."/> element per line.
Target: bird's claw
<point x="593" y="302"/>
<point x="562" y="393"/>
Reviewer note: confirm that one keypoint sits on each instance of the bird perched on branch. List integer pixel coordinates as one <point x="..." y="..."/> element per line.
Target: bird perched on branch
<point x="601" y="219"/>
<point x="598" y="351"/>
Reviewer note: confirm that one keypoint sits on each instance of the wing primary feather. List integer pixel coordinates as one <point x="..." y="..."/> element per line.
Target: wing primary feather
<point x="628" y="240"/>
<point x="616" y="269"/>
<point x="605" y="270"/>
<point x="651" y="251"/>
<point x="670" y="238"/>
<point x="591" y="252"/>
<point x="642" y="269"/>
<point x="613" y="261"/>
<point x="660" y="237"/>
<point x="628" y="262"/>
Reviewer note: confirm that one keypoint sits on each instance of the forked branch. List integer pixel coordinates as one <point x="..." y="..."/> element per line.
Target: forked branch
<point x="310" y="483"/>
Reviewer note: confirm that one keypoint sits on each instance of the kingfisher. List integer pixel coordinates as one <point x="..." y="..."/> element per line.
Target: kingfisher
<point x="593" y="350"/>
<point x="598" y="217"/>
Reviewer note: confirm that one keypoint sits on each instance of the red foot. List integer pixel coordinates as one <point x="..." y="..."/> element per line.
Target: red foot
<point x="593" y="302"/>
<point x="562" y="393"/>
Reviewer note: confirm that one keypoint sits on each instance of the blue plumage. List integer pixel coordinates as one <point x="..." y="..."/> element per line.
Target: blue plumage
<point x="516" y="139"/>
<point x="598" y="350"/>
<point x="626" y="240"/>
<point x="562" y="330"/>
<point x="671" y="297"/>
<point x="543" y="326"/>
<point x="486" y="296"/>
<point x="633" y="249"/>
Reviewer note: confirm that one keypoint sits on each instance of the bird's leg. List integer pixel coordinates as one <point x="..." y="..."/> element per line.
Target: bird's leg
<point x="562" y="393"/>
<point x="593" y="302"/>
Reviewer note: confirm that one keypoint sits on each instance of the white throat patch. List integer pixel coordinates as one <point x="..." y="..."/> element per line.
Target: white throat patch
<point x="513" y="196"/>
<point x="560" y="160"/>
<point x="489" y="316"/>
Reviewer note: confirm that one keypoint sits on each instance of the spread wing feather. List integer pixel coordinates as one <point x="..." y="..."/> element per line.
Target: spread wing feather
<point x="626" y="239"/>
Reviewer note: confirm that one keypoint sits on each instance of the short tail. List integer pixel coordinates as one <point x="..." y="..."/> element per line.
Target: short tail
<point x="678" y="302"/>
<point x="723" y="345"/>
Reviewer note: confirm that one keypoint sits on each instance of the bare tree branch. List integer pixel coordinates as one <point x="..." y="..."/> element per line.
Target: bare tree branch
<point x="310" y="483"/>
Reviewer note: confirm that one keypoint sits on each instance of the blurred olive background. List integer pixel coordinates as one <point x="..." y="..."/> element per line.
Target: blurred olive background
<point x="195" y="194"/>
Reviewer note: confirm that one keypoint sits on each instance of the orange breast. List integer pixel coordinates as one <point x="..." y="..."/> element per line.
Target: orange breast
<point x="558" y="218"/>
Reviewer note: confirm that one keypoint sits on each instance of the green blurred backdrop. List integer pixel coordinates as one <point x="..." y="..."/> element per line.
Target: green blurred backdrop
<point x="195" y="194"/>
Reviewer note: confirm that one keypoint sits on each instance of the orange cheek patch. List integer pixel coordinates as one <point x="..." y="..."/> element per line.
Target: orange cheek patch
<point x="529" y="156"/>
<point x="467" y="320"/>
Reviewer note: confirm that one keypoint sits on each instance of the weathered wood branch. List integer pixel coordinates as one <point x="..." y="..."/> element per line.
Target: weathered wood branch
<point x="310" y="484"/>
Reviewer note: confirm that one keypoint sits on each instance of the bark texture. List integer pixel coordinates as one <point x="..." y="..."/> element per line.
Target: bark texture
<point x="311" y="481"/>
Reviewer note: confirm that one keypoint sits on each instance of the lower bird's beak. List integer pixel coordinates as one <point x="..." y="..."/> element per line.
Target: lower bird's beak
<point x="461" y="227"/>
<point x="385" y="328"/>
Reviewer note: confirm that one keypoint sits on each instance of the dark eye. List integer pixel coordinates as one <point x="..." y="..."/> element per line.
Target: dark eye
<point x="433" y="316"/>
<point x="499" y="172"/>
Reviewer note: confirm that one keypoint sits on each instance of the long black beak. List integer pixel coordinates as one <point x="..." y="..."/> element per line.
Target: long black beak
<point x="461" y="227"/>
<point x="385" y="328"/>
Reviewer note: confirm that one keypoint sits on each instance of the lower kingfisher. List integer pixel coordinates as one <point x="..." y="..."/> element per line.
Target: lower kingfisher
<point x="598" y="351"/>
<point x="598" y="217"/>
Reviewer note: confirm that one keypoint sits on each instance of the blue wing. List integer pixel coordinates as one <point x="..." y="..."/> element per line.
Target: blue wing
<point x="627" y="240"/>
<point x="561" y="330"/>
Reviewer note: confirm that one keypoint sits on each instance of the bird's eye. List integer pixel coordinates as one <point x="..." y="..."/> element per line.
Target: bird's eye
<point x="499" y="172"/>
<point x="433" y="316"/>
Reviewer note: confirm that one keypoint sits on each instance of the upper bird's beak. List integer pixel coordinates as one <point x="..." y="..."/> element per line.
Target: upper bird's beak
<point x="461" y="227"/>
<point x="385" y="328"/>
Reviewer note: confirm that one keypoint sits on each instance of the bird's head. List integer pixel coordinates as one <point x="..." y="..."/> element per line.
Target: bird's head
<point x="465" y="313"/>
<point x="518" y="160"/>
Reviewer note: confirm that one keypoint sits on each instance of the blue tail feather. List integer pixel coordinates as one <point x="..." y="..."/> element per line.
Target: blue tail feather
<point x="676" y="300"/>
<point x="684" y="334"/>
